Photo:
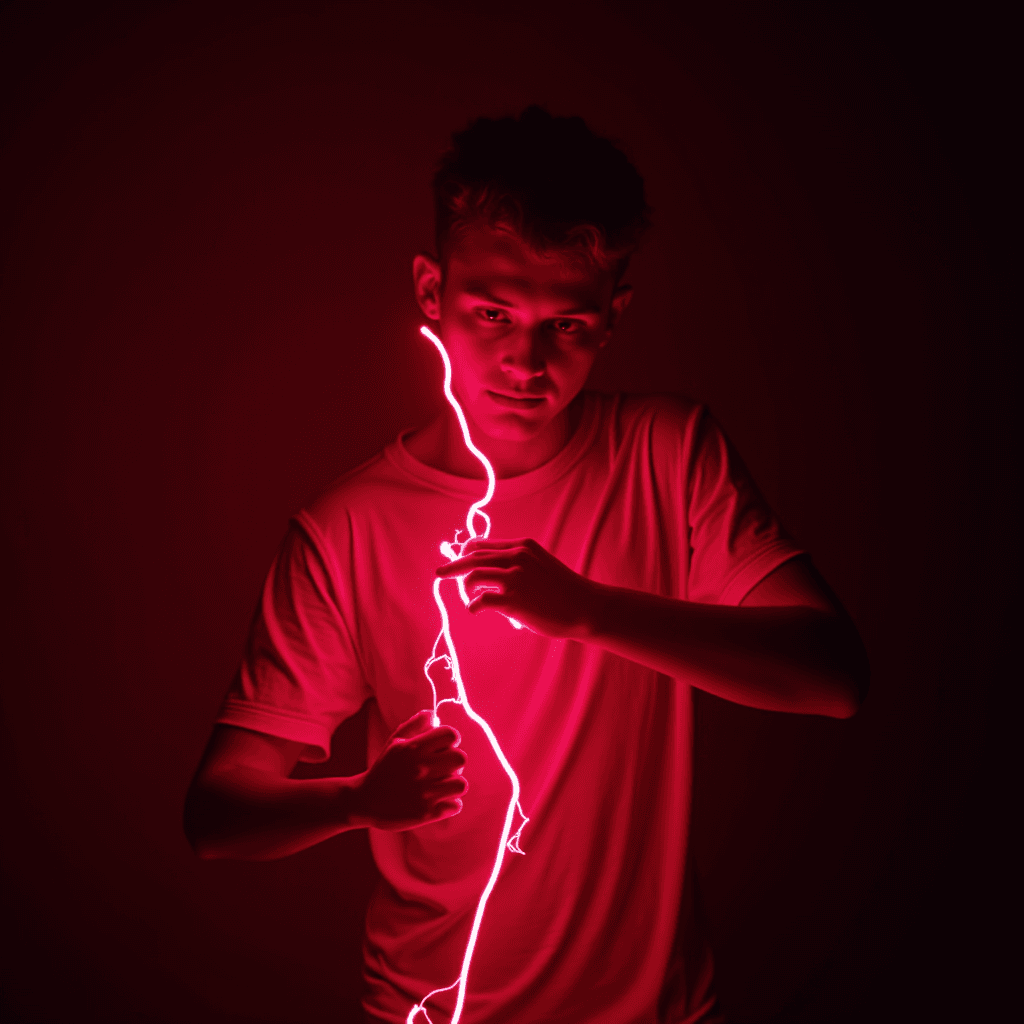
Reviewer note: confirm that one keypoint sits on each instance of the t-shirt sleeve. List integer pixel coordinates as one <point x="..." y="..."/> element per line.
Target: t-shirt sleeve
<point x="300" y="675"/>
<point x="735" y="538"/>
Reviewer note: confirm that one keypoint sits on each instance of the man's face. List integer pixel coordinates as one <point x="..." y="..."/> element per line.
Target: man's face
<point x="522" y="330"/>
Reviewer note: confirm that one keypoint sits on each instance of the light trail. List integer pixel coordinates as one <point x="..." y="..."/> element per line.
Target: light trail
<point x="450" y="659"/>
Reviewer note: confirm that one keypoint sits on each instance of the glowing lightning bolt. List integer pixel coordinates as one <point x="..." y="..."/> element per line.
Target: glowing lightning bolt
<point x="452" y="550"/>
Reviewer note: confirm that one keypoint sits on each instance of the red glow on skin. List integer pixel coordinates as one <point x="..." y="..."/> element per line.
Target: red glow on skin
<point x="523" y="331"/>
<point x="449" y="658"/>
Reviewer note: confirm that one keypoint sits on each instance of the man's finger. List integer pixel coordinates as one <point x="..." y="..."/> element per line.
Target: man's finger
<point x="488" y="599"/>
<point x="448" y="762"/>
<point x="476" y="543"/>
<point x="447" y="808"/>
<point x="420" y="722"/>
<point x="448" y="789"/>
<point x="444" y="737"/>
<point x="496" y="579"/>
<point x="478" y="560"/>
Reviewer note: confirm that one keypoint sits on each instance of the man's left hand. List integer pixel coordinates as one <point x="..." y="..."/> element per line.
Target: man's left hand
<point x="524" y="582"/>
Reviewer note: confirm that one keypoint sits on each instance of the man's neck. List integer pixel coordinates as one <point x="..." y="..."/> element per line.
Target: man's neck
<point x="440" y="445"/>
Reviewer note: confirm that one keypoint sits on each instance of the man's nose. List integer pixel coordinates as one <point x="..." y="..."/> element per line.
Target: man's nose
<point x="523" y="359"/>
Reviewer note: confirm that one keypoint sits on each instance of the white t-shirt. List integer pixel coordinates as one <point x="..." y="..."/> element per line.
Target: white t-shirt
<point x="595" y="923"/>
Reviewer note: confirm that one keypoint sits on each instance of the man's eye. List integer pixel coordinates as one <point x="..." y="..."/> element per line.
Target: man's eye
<point x="494" y="316"/>
<point x="567" y="326"/>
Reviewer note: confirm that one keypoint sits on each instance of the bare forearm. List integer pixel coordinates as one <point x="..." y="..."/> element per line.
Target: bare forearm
<point x="795" y="659"/>
<point x="243" y="805"/>
<point x="248" y="814"/>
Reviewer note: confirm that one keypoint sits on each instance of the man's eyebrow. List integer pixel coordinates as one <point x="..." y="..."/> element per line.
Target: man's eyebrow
<point x="478" y="291"/>
<point x="590" y="307"/>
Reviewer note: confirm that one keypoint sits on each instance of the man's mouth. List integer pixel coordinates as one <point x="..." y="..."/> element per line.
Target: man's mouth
<point x="516" y="401"/>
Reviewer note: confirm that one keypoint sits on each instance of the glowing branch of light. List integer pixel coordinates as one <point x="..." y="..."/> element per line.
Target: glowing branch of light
<point x="450" y="660"/>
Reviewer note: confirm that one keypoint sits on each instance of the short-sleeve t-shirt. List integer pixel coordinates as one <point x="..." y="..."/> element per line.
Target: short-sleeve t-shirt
<point x="594" y="923"/>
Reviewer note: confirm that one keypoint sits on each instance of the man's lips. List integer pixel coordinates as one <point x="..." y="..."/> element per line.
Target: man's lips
<point x="517" y="401"/>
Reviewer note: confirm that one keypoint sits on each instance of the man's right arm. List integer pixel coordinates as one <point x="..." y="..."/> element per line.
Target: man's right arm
<point x="243" y="805"/>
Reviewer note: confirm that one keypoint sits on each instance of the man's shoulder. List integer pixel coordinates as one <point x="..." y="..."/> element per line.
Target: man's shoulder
<point x="358" y="490"/>
<point x="662" y="404"/>
<point x="663" y="417"/>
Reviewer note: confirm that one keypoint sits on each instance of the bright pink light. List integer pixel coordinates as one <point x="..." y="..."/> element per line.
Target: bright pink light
<point x="452" y="550"/>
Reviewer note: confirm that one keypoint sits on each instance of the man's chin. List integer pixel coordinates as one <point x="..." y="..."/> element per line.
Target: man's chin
<point x="510" y="424"/>
<point x="513" y="433"/>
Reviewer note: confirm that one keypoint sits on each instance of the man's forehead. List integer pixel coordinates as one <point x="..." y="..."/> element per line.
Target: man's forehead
<point x="509" y="291"/>
<point x="487" y="258"/>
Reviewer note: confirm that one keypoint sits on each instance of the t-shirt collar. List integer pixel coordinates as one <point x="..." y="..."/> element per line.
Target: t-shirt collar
<point x="507" y="487"/>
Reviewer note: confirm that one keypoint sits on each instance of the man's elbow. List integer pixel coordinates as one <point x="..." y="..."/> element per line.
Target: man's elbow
<point x="847" y="667"/>
<point x="197" y="822"/>
<point x="204" y="849"/>
<point x="847" y="704"/>
<point x="853" y="688"/>
<point x="202" y="846"/>
<point x="861" y="674"/>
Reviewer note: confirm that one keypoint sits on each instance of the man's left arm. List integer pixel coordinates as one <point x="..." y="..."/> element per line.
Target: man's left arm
<point x="788" y="646"/>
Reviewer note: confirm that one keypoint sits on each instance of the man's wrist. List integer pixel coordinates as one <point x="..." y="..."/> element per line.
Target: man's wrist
<point x="593" y="622"/>
<point x="351" y="802"/>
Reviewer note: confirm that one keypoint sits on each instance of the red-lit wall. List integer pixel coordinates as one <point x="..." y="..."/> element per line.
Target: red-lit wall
<point x="209" y="213"/>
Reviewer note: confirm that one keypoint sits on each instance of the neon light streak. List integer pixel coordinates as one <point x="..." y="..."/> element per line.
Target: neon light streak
<point x="450" y="659"/>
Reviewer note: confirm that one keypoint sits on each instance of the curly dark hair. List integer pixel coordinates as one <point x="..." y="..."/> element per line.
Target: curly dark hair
<point x="551" y="180"/>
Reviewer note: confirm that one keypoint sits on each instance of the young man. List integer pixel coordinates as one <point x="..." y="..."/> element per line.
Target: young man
<point x="630" y="542"/>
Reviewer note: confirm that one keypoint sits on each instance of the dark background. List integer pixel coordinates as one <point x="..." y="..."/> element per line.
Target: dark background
<point x="208" y="221"/>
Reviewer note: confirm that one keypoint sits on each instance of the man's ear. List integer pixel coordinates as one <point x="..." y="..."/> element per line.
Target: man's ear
<point x="621" y="298"/>
<point x="426" y="277"/>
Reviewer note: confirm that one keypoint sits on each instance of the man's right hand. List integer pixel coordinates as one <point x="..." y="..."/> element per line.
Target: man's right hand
<point x="416" y="779"/>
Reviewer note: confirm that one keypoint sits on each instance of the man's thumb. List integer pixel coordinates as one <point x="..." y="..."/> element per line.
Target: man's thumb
<point x="420" y="722"/>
